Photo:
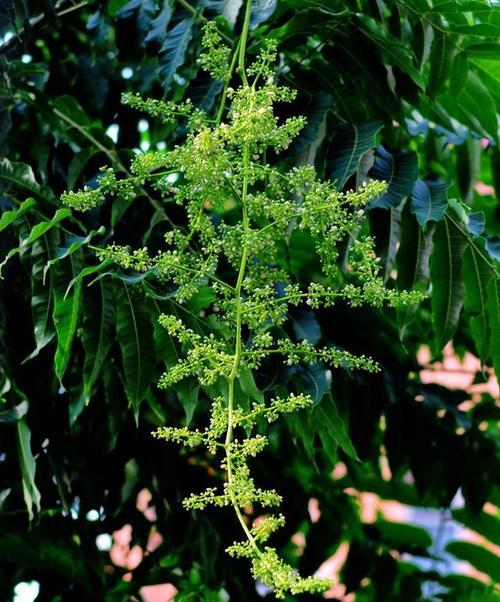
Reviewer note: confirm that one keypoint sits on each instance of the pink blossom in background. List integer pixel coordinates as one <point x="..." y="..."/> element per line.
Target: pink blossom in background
<point x="163" y="592"/>
<point x="484" y="189"/>
<point x="455" y="373"/>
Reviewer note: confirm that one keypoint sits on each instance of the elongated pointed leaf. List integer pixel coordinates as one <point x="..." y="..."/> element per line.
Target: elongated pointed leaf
<point x="66" y="312"/>
<point x="443" y="53"/>
<point x="72" y="244"/>
<point x="477" y="274"/>
<point x="350" y="143"/>
<point x="97" y="332"/>
<point x="135" y="336"/>
<point x="428" y="200"/>
<point x="21" y="177"/>
<point x="42" y="290"/>
<point x="393" y="51"/>
<point x="10" y="217"/>
<point x="36" y="232"/>
<point x="447" y="283"/>
<point x="173" y="52"/>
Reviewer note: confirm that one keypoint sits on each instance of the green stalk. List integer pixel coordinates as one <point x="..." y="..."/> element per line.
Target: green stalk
<point x="243" y="42"/>
<point x="238" y="351"/>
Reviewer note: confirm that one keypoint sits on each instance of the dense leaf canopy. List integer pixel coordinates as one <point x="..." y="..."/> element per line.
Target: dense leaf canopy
<point x="405" y="92"/>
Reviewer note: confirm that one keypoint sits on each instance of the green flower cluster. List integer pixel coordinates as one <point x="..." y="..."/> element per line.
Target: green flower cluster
<point x="240" y="212"/>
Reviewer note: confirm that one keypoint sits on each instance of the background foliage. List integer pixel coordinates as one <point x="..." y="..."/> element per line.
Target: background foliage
<point x="408" y="92"/>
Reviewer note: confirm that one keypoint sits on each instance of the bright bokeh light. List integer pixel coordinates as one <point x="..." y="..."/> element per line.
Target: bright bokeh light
<point x="26" y="591"/>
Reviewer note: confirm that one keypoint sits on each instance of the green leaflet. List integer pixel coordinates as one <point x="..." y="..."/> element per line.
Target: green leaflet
<point x="350" y="143"/>
<point x="11" y="216"/>
<point x="72" y="244"/>
<point x="27" y="464"/>
<point x="393" y="50"/>
<point x="477" y="273"/>
<point x="441" y="59"/>
<point x="66" y="310"/>
<point x="135" y="336"/>
<point x="447" y="283"/>
<point x="42" y="290"/>
<point x="412" y="262"/>
<point x="493" y="310"/>
<point x="97" y="332"/>
<point x="36" y="232"/>
<point x="21" y="177"/>
<point x="474" y="106"/>
<point x="326" y="420"/>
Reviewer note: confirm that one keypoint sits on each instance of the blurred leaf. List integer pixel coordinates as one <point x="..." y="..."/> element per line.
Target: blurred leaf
<point x="404" y="535"/>
<point x="477" y="273"/>
<point x="15" y="413"/>
<point x="483" y="523"/>
<point x="261" y="11"/>
<point x="27" y="463"/>
<point x="480" y="558"/>
<point x="493" y="309"/>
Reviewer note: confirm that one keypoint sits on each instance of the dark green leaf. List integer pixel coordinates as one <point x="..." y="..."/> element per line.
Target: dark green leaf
<point x="66" y="312"/>
<point x="248" y="385"/>
<point x="399" y="170"/>
<point x="480" y="558"/>
<point x="331" y="427"/>
<point x="476" y="275"/>
<point x="350" y="143"/>
<point x="493" y="309"/>
<point x="97" y="332"/>
<point x="447" y="284"/>
<point x="428" y="200"/>
<point x="10" y="217"/>
<point x="135" y="336"/>
<point x="173" y="52"/>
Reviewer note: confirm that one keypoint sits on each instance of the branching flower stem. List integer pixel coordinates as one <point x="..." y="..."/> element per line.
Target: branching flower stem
<point x="238" y="351"/>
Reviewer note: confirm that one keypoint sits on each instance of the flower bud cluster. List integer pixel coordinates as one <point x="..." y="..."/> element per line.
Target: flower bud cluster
<point x="241" y="214"/>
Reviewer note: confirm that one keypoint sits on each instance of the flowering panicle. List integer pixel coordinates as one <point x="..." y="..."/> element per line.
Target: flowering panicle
<point x="240" y="213"/>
